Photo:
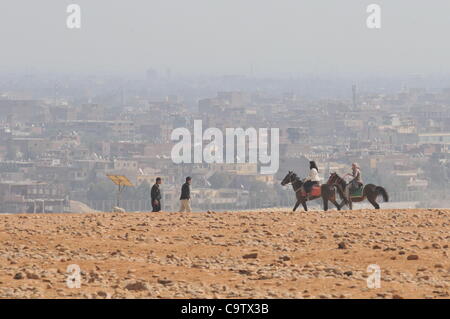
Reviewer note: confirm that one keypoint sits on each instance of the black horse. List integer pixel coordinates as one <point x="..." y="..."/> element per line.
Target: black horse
<point x="370" y="192"/>
<point x="328" y="192"/>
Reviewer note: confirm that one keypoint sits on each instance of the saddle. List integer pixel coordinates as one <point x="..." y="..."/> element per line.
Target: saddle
<point x="315" y="191"/>
<point x="356" y="190"/>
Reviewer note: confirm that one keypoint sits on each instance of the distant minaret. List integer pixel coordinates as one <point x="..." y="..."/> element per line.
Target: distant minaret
<point x="122" y="96"/>
<point x="326" y="172"/>
<point x="55" y="94"/>
<point x="354" y="95"/>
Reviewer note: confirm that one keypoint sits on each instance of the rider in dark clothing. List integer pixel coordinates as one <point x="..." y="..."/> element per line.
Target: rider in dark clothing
<point x="156" y="196"/>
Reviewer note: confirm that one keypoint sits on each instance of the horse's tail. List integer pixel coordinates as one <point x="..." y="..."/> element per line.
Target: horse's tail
<point x="382" y="191"/>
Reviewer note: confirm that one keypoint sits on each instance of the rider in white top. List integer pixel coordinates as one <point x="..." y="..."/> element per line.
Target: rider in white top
<point x="313" y="177"/>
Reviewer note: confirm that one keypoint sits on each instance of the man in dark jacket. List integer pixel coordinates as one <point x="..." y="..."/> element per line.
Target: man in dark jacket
<point x="185" y="197"/>
<point x="156" y="195"/>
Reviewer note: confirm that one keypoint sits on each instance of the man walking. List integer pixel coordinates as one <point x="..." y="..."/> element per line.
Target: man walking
<point x="156" y="195"/>
<point x="186" y="196"/>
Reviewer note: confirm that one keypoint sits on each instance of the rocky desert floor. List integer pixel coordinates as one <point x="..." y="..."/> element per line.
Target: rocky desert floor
<point x="276" y="254"/>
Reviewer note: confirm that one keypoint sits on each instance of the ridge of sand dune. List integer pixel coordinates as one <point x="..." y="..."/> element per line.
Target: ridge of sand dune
<point x="227" y="255"/>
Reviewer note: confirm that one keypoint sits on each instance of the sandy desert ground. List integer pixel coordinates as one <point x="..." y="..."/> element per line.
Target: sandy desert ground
<point x="227" y="255"/>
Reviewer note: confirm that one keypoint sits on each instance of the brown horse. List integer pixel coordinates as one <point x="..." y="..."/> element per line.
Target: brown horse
<point x="328" y="192"/>
<point x="370" y="192"/>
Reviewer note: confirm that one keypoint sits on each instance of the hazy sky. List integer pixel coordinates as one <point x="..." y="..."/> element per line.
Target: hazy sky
<point x="226" y="36"/>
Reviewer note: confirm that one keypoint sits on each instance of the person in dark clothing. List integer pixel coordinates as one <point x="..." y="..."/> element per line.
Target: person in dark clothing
<point x="156" y="195"/>
<point x="185" y="197"/>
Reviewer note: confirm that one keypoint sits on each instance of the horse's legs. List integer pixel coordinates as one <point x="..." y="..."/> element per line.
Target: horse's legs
<point x="336" y="204"/>
<point x="347" y="198"/>
<point x="374" y="203"/>
<point x="325" y="203"/>
<point x="344" y="202"/>
<point x="296" y="205"/>
<point x="304" y="206"/>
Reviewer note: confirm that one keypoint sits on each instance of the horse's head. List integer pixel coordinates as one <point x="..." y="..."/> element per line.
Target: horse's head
<point x="288" y="178"/>
<point x="332" y="179"/>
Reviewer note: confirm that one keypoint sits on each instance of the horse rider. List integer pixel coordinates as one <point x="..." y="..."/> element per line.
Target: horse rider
<point x="356" y="181"/>
<point x="312" y="179"/>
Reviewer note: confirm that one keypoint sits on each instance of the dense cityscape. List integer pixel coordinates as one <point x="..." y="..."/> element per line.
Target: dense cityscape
<point x="62" y="136"/>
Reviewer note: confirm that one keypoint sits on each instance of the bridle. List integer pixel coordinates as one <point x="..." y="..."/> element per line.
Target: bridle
<point x="335" y="179"/>
<point x="292" y="180"/>
<point x="332" y="179"/>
